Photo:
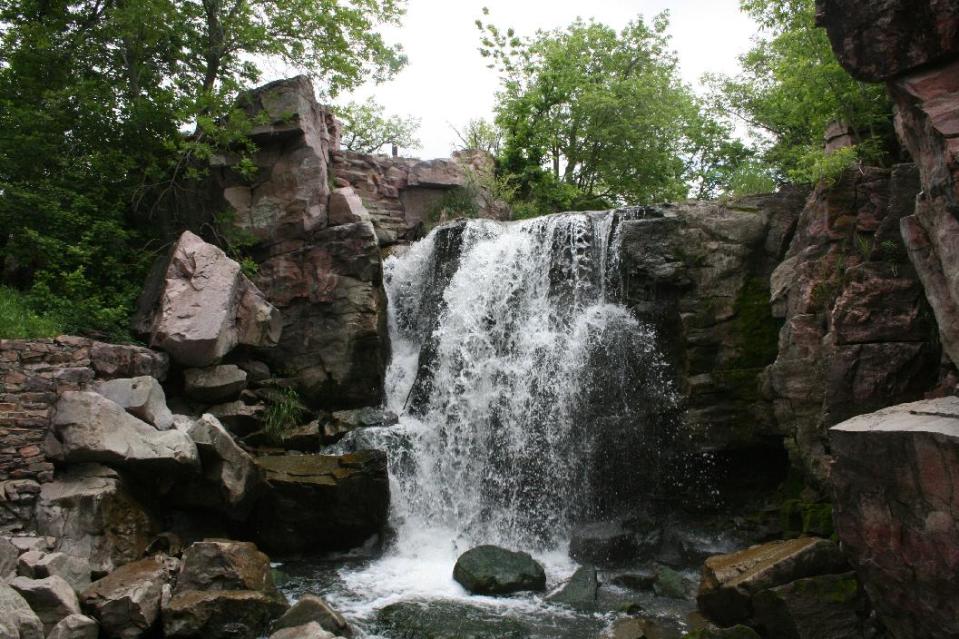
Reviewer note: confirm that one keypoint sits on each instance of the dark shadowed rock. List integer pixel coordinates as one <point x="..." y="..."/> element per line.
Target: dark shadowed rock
<point x="221" y="564"/>
<point x="729" y="582"/>
<point x="895" y="486"/>
<point x="610" y="544"/>
<point x="580" y="591"/>
<point x="823" y="607"/>
<point x="230" y="481"/>
<point x="322" y="502"/>
<point x="491" y="570"/>
<point x="220" y="614"/>
<point x="448" y="620"/>
<point x="214" y="384"/>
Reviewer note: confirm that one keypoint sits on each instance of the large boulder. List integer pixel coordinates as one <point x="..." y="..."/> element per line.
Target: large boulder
<point x="204" y="306"/>
<point x="88" y="427"/>
<point x="231" y="481"/>
<point x="491" y="570"/>
<point x="313" y="609"/>
<point x="142" y="397"/>
<point x="92" y="513"/>
<point x="322" y="502"/>
<point x="220" y="614"/>
<point x="822" y="607"/>
<point x="224" y="590"/>
<point x="729" y="582"/>
<point x="18" y="620"/>
<point x="215" y="383"/>
<point x="74" y="570"/>
<point x="895" y="486"/>
<point x="127" y="601"/>
<point x="221" y="564"/>
<point x="51" y="598"/>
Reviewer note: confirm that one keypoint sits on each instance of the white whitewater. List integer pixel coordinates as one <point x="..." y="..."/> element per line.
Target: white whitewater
<point x="521" y="339"/>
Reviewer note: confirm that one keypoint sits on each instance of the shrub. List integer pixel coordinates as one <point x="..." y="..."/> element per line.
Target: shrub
<point x="19" y="321"/>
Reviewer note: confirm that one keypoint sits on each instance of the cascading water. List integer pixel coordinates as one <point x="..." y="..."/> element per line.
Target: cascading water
<point x="527" y="399"/>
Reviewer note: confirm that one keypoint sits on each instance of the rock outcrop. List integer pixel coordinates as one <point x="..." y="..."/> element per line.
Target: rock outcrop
<point x="204" y="306"/>
<point x="88" y="427"/>
<point x="92" y="513"/>
<point x="730" y="582"/>
<point x="896" y="485"/>
<point x="914" y="48"/>
<point x="858" y="334"/>
<point x="322" y="501"/>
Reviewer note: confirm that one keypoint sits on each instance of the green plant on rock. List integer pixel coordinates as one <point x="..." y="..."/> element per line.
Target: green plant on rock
<point x="284" y="412"/>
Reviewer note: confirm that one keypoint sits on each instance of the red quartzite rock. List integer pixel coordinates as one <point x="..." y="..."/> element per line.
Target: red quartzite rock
<point x="896" y="492"/>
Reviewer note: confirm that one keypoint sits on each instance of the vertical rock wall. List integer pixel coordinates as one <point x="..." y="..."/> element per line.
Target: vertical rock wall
<point x="858" y="335"/>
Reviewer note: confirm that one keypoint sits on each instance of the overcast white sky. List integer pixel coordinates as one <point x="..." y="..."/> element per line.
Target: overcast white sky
<point x="447" y="82"/>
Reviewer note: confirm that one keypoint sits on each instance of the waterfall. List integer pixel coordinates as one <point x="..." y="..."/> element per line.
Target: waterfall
<point x="527" y="395"/>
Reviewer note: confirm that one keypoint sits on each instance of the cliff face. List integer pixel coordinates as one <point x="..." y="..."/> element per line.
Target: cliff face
<point x="914" y="48"/>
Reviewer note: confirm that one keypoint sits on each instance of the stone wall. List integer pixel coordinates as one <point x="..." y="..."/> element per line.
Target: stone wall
<point x="33" y="373"/>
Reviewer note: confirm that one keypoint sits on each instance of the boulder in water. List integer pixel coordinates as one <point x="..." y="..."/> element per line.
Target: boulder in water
<point x="491" y="570"/>
<point x="580" y="591"/>
<point x="447" y="620"/>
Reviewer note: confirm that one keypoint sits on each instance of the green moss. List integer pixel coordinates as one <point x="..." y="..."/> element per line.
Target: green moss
<point x="756" y="330"/>
<point x="839" y="589"/>
<point x="798" y="517"/>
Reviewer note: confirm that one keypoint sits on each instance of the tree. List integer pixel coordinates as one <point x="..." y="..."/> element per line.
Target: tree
<point x="792" y="88"/>
<point x="94" y="98"/>
<point x="480" y="135"/>
<point x="367" y="128"/>
<point x="593" y="117"/>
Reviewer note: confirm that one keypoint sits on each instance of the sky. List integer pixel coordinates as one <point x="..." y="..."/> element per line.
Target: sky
<point x="446" y="82"/>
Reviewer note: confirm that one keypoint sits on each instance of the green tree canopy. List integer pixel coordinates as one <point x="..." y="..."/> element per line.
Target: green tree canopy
<point x="367" y="128"/>
<point x="95" y="96"/>
<point x="792" y="88"/>
<point x="591" y="116"/>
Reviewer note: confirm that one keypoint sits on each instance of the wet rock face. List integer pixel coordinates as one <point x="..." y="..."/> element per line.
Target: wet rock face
<point x="895" y="486"/>
<point x="699" y="273"/>
<point x="858" y="334"/>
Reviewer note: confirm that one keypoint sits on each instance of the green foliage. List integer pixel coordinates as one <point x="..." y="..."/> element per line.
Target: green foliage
<point x="792" y="88"/>
<point x="480" y="135"/>
<point x="94" y="101"/>
<point x="593" y="117"/>
<point x="284" y="412"/>
<point x="18" y="321"/>
<point x="814" y="165"/>
<point x="367" y="128"/>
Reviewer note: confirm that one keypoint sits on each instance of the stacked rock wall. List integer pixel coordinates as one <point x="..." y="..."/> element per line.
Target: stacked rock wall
<point x="33" y="374"/>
